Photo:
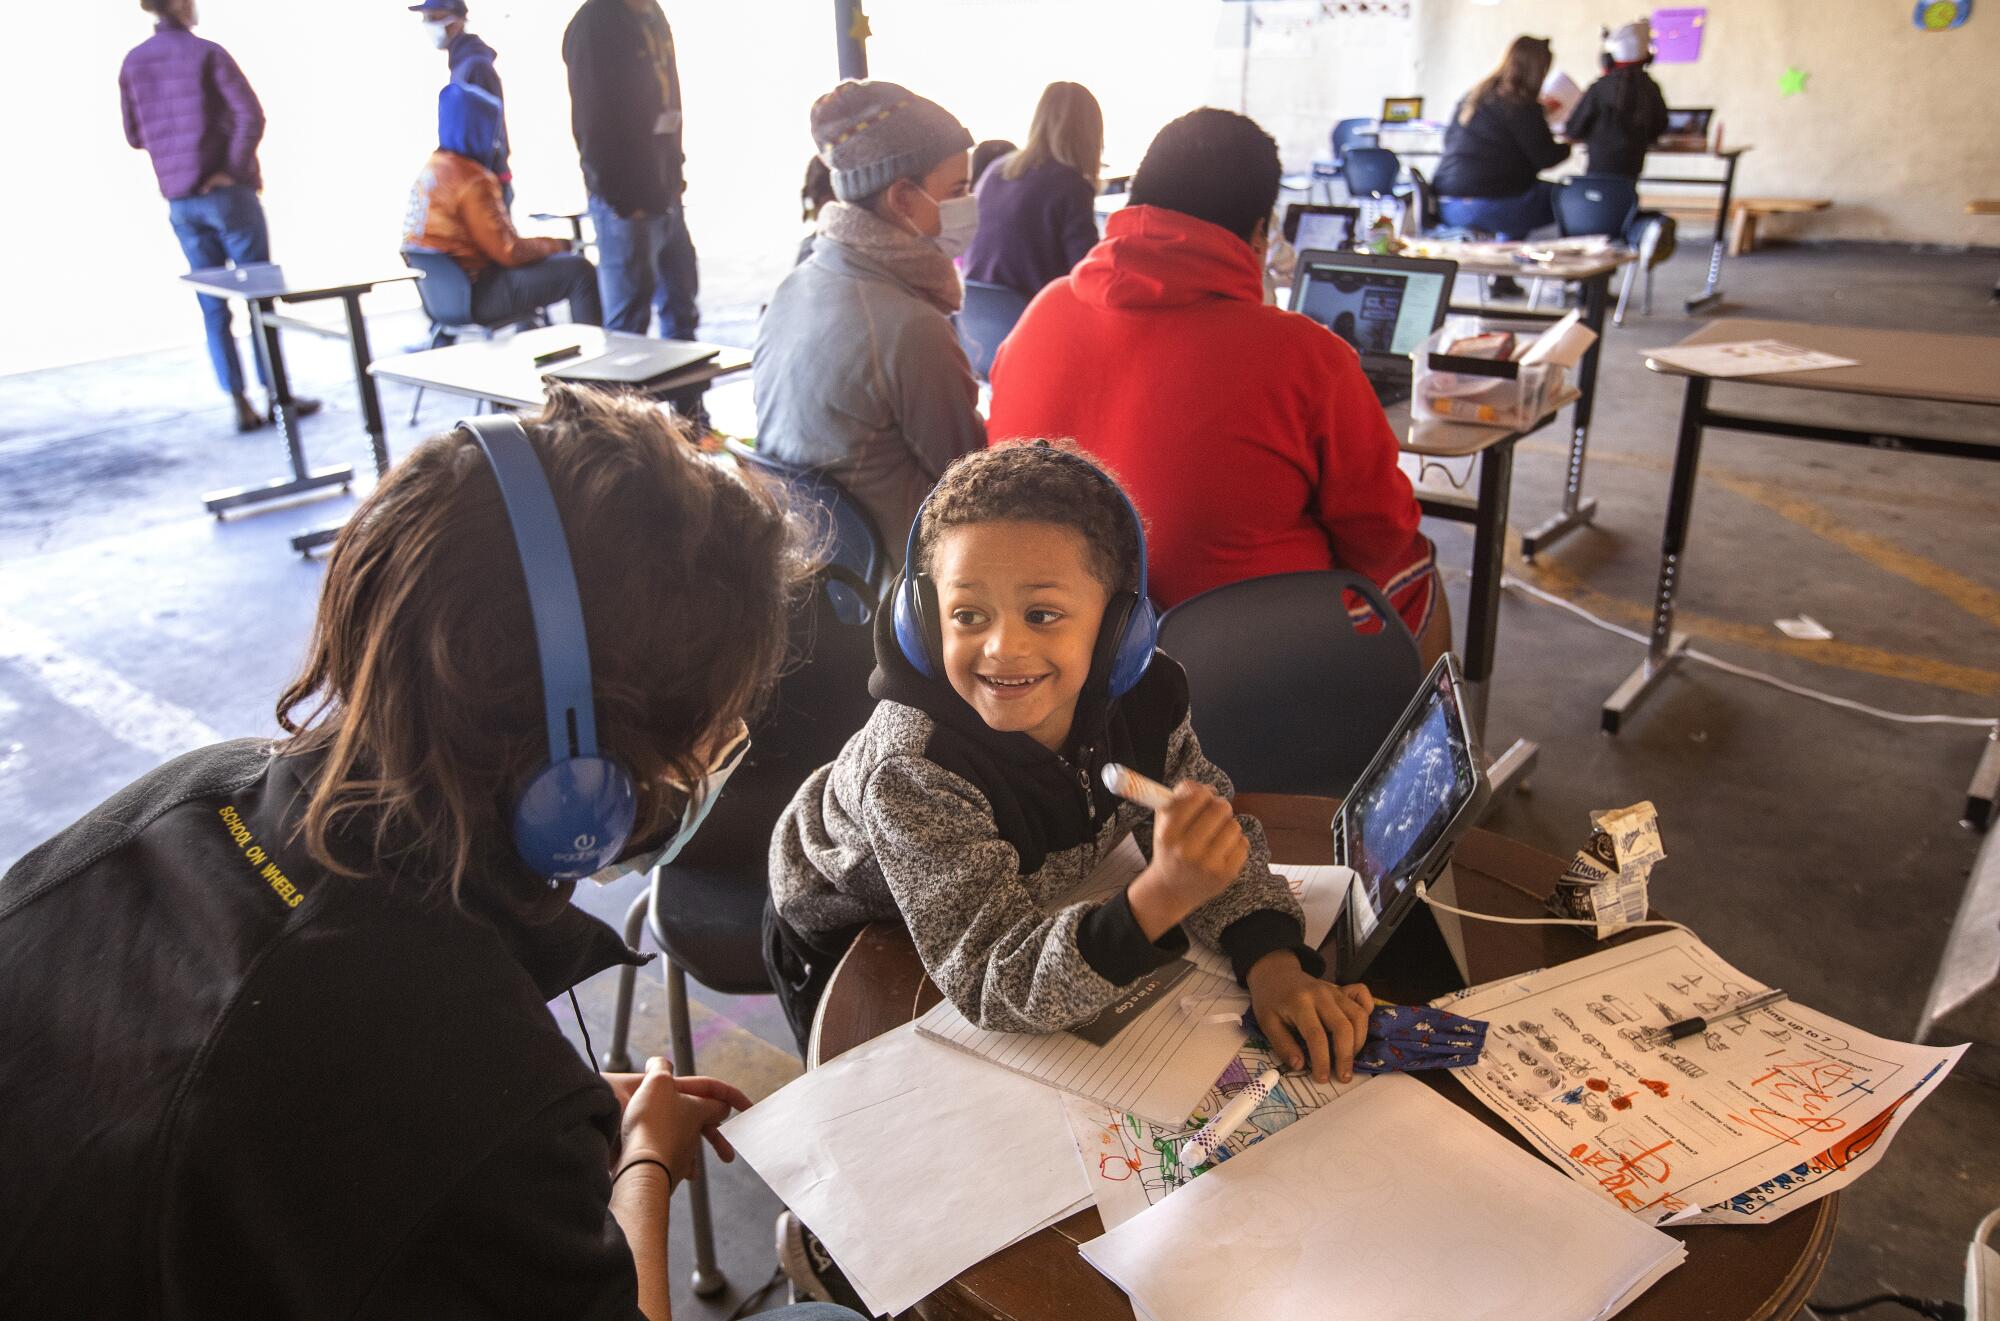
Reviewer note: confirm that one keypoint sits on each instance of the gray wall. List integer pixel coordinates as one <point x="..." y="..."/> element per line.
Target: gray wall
<point x="1899" y="127"/>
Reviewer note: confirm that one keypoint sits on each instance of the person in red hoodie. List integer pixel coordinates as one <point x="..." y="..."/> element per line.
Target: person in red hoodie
<point x="1246" y="435"/>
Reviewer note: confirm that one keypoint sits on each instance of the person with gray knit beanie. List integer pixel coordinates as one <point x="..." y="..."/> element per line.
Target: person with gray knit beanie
<point x="859" y="371"/>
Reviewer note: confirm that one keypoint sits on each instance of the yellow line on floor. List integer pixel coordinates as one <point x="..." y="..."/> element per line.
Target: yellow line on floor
<point x="1839" y="655"/>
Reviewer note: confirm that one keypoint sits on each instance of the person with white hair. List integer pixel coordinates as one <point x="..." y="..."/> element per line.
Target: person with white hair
<point x="1623" y="113"/>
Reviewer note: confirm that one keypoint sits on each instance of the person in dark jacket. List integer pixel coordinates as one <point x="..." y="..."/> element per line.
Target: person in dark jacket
<point x="1496" y="146"/>
<point x="470" y="60"/>
<point x="625" y="110"/>
<point x="189" y="107"/>
<point x="1623" y="113"/>
<point x="1037" y="214"/>
<point x="275" y="1038"/>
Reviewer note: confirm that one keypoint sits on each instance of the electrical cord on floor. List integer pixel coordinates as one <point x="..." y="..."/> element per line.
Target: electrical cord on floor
<point x="751" y="1303"/>
<point x="1799" y="690"/>
<point x="1938" y="1309"/>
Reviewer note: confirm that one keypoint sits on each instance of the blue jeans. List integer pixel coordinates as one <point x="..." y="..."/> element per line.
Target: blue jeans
<point x="503" y="293"/>
<point x="1502" y="217"/>
<point x="222" y="227"/>
<point x="639" y="259"/>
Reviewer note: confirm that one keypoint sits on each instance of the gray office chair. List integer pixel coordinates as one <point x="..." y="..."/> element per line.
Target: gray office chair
<point x="853" y="542"/>
<point x="705" y="909"/>
<point x="1287" y="696"/>
<point x="446" y="293"/>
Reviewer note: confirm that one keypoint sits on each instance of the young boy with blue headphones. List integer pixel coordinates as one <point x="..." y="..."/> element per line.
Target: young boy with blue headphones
<point x="1017" y="661"/>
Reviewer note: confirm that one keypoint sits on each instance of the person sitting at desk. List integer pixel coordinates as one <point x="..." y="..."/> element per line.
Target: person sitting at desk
<point x="858" y="367"/>
<point x="456" y="209"/>
<point x="1247" y="435"/>
<point x="1014" y="665"/>
<point x="275" y="1017"/>
<point x="1497" y="145"/>
<point x="1037" y="207"/>
<point x="1622" y="114"/>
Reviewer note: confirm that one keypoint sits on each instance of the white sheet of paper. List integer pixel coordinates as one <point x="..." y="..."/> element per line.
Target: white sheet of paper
<point x="1388" y="1201"/>
<point x="1755" y="357"/>
<point x="1762" y="1114"/>
<point x="912" y="1161"/>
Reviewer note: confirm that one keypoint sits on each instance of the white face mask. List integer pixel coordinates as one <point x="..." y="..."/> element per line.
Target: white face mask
<point x="440" y="30"/>
<point x="701" y="797"/>
<point x="958" y="219"/>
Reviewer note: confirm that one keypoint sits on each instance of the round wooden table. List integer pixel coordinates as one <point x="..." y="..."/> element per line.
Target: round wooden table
<point x="1732" y="1273"/>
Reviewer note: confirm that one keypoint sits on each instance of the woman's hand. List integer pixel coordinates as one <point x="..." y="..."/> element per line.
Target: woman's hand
<point x="667" y="1117"/>
<point x="1300" y="1014"/>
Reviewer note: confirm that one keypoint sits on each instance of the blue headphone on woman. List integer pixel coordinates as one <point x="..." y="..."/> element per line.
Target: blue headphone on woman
<point x="575" y="814"/>
<point x="1125" y="640"/>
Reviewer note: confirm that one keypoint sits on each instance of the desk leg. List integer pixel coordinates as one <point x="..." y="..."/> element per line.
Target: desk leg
<point x="1711" y="293"/>
<point x="1985" y="785"/>
<point x="1482" y="610"/>
<point x="1664" y="646"/>
<point x="303" y="479"/>
<point x="371" y="415"/>
<point x="1576" y="511"/>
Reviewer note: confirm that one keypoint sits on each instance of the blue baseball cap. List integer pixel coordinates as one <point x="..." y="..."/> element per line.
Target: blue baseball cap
<point x="441" y="6"/>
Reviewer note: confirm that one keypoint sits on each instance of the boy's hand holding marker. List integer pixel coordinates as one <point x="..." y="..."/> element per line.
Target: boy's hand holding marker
<point x="1198" y="852"/>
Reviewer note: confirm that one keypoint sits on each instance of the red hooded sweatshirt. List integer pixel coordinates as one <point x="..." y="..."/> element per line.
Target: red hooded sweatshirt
<point x="1246" y="435"/>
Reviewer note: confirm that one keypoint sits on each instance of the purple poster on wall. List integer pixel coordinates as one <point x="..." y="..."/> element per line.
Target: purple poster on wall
<point x="1677" y="35"/>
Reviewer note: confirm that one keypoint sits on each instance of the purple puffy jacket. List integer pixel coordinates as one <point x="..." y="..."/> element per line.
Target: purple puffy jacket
<point x="191" y="108"/>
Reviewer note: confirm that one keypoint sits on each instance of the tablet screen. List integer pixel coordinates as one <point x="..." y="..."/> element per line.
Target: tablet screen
<point x="1401" y="810"/>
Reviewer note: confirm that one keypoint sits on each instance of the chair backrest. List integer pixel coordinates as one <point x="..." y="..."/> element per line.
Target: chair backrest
<point x="1370" y="171"/>
<point x="1351" y="133"/>
<point x="1596" y="204"/>
<point x="990" y="312"/>
<point x="855" y="542"/>
<point x="1287" y="696"/>
<point x="445" y="290"/>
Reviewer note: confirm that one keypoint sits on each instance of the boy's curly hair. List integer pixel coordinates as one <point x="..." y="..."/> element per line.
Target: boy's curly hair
<point x="1038" y="481"/>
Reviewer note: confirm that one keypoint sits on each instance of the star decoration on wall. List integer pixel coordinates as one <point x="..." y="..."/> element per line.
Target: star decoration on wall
<point x="1792" y="82"/>
<point x="858" y="28"/>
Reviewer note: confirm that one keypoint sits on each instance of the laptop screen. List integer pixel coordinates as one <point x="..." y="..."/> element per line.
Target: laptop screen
<point x="1398" y="815"/>
<point x="1379" y="310"/>
<point x="1688" y="123"/>
<point x="1325" y="230"/>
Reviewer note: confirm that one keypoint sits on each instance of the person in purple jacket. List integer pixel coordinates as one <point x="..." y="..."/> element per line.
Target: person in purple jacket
<point x="189" y="107"/>
<point x="1037" y="213"/>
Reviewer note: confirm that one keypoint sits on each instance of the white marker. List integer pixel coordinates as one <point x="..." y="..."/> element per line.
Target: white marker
<point x="1200" y="1149"/>
<point x="1134" y="787"/>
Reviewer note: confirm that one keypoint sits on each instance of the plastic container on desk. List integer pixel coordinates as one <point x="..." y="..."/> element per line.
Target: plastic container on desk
<point x="1492" y="392"/>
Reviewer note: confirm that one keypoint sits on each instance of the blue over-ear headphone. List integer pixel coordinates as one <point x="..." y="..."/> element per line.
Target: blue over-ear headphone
<point x="1125" y="640"/>
<point x="575" y="813"/>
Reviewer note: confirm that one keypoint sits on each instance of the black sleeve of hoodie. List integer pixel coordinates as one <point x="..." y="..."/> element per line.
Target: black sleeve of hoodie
<point x="1252" y="936"/>
<point x="1530" y="130"/>
<point x="1113" y="944"/>
<point x="527" y="1233"/>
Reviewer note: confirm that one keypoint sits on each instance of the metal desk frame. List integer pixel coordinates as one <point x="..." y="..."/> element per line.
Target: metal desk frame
<point x="1665" y="647"/>
<point x="1711" y="292"/>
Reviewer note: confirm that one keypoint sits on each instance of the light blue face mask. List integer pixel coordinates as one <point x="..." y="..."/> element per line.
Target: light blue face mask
<point x="701" y="798"/>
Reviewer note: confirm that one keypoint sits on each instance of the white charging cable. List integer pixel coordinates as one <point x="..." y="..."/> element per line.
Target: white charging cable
<point x="1424" y="893"/>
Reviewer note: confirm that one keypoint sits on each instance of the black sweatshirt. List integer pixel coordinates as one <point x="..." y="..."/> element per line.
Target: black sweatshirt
<point x="625" y="105"/>
<point x="233" y="1084"/>
<point x="1621" y="116"/>
<point x="1500" y="152"/>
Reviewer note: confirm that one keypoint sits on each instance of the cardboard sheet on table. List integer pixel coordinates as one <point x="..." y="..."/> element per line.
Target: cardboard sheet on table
<point x="912" y="1161"/>
<point x="1388" y="1201"/>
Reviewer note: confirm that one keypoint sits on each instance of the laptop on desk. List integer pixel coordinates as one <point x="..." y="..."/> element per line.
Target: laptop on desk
<point x="1386" y="307"/>
<point x="636" y="363"/>
<point x="1687" y="129"/>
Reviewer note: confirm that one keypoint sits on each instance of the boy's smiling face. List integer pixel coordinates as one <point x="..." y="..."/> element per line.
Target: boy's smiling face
<point x="1019" y="611"/>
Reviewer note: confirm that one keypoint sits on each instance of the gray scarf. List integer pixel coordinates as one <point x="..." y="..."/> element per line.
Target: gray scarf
<point x="914" y="261"/>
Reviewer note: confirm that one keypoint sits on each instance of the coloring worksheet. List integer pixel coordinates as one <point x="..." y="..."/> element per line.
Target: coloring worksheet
<point x="1131" y="1163"/>
<point x="1758" y="1115"/>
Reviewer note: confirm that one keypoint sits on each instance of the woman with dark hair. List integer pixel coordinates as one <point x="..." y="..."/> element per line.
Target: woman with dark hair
<point x="1623" y="113"/>
<point x="1496" y="146"/>
<point x="1037" y="207"/>
<point x="274" y="1026"/>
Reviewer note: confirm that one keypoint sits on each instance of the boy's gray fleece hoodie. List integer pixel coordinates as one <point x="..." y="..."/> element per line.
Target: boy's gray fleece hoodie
<point x="968" y="835"/>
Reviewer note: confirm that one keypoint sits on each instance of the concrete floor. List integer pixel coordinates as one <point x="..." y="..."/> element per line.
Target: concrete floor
<point x="1817" y="848"/>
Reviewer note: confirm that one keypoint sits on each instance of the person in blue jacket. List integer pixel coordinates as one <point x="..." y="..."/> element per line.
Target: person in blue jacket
<point x="470" y="60"/>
